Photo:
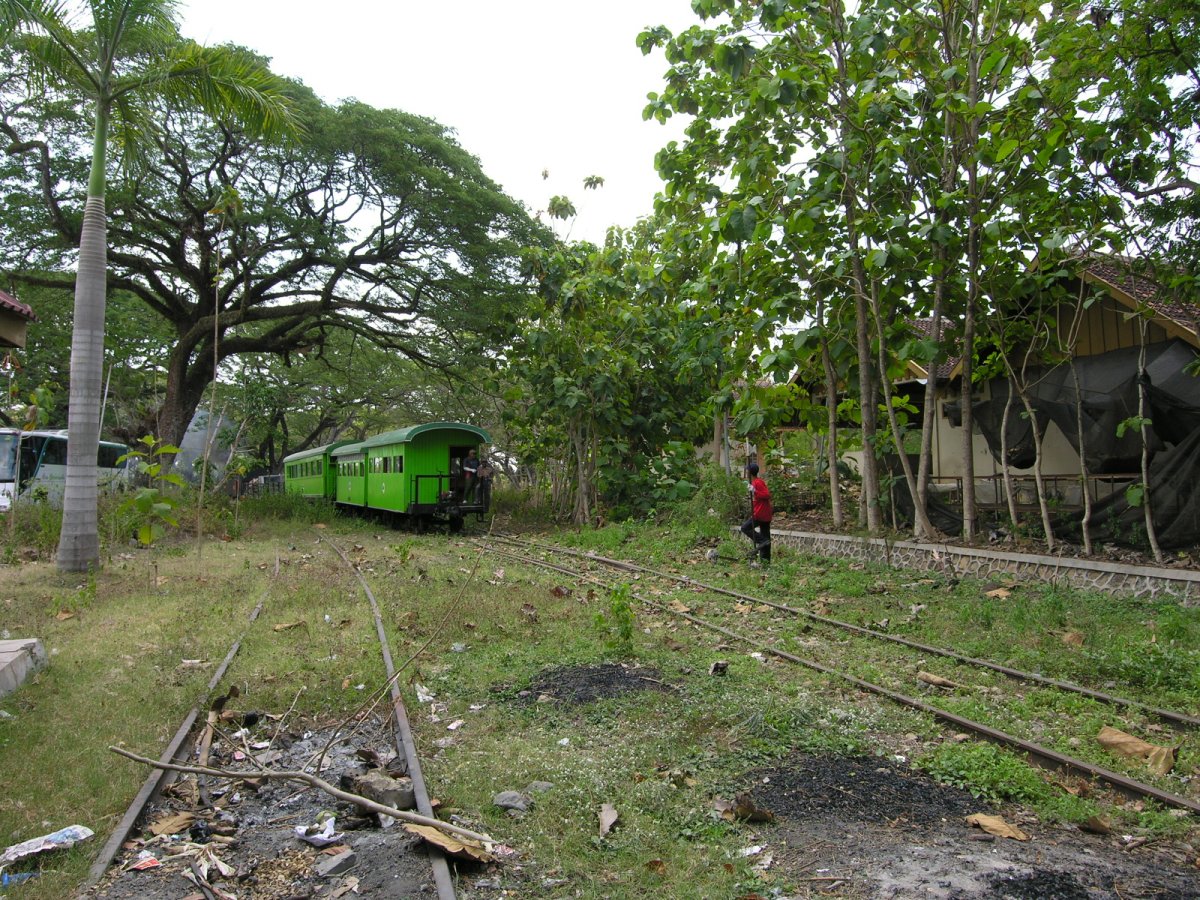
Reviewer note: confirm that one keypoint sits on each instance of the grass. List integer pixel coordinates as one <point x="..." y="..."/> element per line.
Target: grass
<point x="493" y="626"/>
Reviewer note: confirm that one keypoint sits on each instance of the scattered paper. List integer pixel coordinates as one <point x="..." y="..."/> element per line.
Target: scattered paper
<point x="1160" y="760"/>
<point x="608" y="818"/>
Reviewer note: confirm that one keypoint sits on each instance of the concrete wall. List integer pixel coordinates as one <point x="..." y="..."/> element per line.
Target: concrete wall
<point x="1149" y="582"/>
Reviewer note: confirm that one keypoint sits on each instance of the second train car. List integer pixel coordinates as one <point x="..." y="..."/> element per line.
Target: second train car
<point x="414" y="472"/>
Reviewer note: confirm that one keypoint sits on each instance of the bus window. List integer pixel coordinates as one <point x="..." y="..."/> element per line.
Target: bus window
<point x="55" y="453"/>
<point x="8" y="456"/>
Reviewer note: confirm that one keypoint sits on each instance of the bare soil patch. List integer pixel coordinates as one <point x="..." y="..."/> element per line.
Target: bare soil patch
<point x="587" y="684"/>
<point x="871" y="828"/>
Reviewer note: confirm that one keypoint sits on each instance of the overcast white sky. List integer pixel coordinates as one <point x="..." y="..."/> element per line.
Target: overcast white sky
<point x="527" y="84"/>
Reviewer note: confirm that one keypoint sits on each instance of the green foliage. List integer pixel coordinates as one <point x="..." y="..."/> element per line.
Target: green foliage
<point x="997" y="775"/>
<point x="286" y="507"/>
<point x="151" y="507"/>
<point x="616" y="626"/>
<point x="609" y="383"/>
<point x="1134" y="423"/>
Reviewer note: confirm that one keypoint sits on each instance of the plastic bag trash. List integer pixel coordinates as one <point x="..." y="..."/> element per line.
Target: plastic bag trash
<point x="321" y="835"/>
<point x="7" y="880"/>
<point x="58" y="840"/>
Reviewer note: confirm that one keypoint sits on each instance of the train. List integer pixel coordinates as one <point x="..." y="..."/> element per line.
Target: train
<point x="414" y="473"/>
<point x="33" y="465"/>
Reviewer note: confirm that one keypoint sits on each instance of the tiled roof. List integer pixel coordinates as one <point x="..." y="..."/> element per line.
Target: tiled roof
<point x="11" y="303"/>
<point x="924" y="329"/>
<point x="1145" y="290"/>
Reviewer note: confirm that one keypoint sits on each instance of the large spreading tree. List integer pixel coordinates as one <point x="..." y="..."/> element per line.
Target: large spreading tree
<point x="128" y="56"/>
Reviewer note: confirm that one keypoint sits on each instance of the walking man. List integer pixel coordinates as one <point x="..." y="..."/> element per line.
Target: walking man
<point x="758" y="526"/>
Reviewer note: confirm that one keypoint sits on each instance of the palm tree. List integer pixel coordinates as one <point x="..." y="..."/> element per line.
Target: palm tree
<point x="131" y="56"/>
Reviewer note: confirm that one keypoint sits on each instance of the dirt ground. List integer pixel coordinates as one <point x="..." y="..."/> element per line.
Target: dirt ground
<point x="852" y="828"/>
<point x="872" y="828"/>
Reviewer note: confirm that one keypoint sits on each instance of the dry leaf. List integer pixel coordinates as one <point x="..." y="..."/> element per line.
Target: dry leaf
<point x="559" y="591"/>
<point x="1159" y="760"/>
<point x="937" y="680"/>
<point x="459" y="847"/>
<point x="742" y="608"/>
<point x="345" y="683"/>
<point x="1096" y="825"/>
<point x="161" y="580"/>
<point x="720" y="667"/>
<point x="1072" y="638"/>
<point x="679" y="606"/>
<point x="743" y="809"/>
<point x="64" y="615"/>
<point x="657" y="866"/>
<point x="997" y="826"/>
<point x="350" y="885"/>
<point x="608" y="818"/>
<point x="172" y="823"/>
<point x="284" y="626"/>
<point x="999" y="593"/>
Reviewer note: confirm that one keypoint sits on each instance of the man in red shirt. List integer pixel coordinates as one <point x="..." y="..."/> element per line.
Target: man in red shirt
<point x="758" y="526"/>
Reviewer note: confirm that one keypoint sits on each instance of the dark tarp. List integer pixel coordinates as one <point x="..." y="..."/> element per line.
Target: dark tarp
<point x="1174" y="500"/>
<point x="1107" y="395"/>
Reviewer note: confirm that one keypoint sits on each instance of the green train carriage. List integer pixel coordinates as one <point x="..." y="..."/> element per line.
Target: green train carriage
<point x="310" y="473"/>
<point x="414" y="472"/>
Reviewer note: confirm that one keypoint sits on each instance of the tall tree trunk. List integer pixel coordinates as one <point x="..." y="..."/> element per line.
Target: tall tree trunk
<point x="969" y="509"/>
<point x="922" y="527"/>
<point x="831" y="409"/>
<point x="1009" y="494"/>
<point x="1085" y="524"/>
<point x="1022" y="387"/>
<point x="862" y="311"/>
<point x="79" y="539"/>
<point x="1143" y="429"/>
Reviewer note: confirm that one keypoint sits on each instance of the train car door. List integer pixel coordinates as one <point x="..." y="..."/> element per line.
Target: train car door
<point x="457" y="455"/>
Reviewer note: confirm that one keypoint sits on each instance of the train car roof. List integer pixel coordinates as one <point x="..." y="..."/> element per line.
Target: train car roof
<point x="404" y="435"/>
<point x="315" y="451"/>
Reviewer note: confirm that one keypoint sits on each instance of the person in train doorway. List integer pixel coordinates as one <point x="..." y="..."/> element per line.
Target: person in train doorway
<point x="470" y="476"/>
<point x="758" y="526"/>
<point x="484" y="477"/>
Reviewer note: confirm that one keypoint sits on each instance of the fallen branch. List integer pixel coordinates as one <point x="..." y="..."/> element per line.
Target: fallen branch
<point x="312" y="781"/>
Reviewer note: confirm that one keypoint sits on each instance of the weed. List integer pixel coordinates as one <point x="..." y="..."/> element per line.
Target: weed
<point x="997" y="775"/>
<point x="616" y="626"/>
<point x="152" y="507"/>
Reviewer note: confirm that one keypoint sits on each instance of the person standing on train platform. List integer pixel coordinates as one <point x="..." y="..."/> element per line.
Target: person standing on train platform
<point x="470" y="475"/>
<point x="758" y="526"/>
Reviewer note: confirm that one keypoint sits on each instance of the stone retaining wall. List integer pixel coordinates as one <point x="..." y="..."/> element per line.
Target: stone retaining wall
<point x="1140" y="581"/>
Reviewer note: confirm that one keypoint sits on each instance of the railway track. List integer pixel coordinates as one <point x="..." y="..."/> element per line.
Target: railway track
<point x="835" y="665"/>
<point x="186" y="738"/>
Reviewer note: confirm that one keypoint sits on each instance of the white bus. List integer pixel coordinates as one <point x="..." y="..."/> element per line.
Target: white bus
<point x="33" y="465"/>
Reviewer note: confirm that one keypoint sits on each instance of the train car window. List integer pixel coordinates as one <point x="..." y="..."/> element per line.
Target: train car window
<point x="320" y="467"/>
<point x="398" y="463"/>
